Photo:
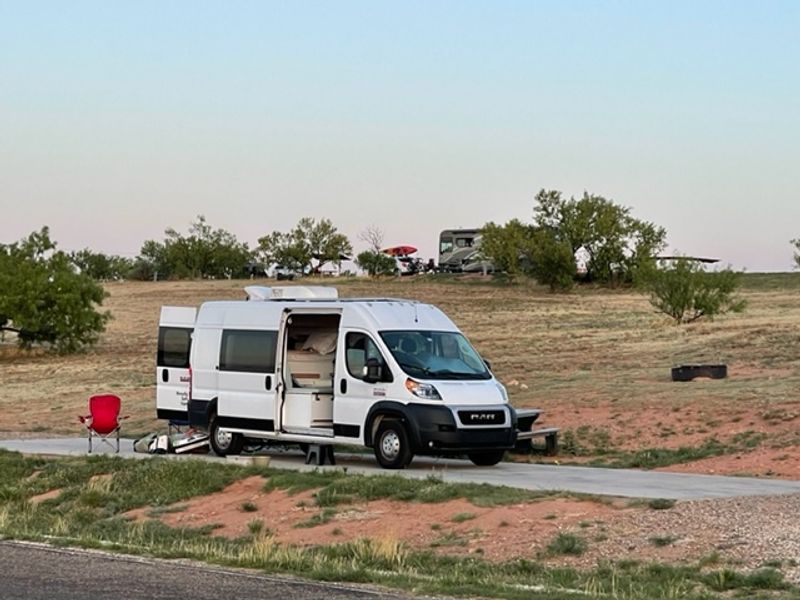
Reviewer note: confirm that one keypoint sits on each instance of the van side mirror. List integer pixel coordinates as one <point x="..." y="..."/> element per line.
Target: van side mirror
<point x="373" y="371"/>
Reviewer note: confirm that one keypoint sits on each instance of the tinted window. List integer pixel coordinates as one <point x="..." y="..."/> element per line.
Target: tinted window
<point x="359" y="349"/>
<point x="248" y="351"/>
<point x="174" y="344"/>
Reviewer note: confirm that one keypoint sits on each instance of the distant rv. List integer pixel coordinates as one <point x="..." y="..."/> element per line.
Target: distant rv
<point x="459" y="251"/>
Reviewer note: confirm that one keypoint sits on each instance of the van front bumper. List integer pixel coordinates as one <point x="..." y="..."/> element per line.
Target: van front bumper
<point x="436" y="430"/>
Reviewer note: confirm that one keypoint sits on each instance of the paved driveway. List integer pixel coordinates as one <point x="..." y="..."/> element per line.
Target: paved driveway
<point x="610" y="482"/>
<point x="38" y="572"/>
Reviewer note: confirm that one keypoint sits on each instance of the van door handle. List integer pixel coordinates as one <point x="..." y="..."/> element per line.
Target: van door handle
<point x="268" y="382"/>
<point x="343" y="385"/>
<point x="165" y="375"/>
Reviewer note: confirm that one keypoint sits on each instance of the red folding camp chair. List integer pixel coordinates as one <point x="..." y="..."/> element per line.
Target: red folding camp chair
<point x="103" y="419"/>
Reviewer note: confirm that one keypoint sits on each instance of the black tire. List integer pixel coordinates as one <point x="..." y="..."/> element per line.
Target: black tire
<point x="223" y="443"/>
<point x="392" y="446"/>
<point x="487" y="458"/>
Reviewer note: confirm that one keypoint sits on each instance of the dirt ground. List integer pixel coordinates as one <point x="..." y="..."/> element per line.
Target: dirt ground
<point x="598" y="364"/>
<point x="746" y="532"/>
<point x="596" y="361"/>
<point x="454" y="527"/>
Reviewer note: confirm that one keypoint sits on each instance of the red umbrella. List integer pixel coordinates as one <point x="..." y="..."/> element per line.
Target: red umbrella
<point x="399" y="250"/>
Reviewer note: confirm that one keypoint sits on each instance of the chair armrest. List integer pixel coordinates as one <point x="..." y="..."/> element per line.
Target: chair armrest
<point x="84" y="418"/>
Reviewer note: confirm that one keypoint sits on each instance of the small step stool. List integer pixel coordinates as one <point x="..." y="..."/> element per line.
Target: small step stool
<point x="320" y="454"/>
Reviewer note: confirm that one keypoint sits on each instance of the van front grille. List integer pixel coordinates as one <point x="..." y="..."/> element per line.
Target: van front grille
<point x="482" y="417"/>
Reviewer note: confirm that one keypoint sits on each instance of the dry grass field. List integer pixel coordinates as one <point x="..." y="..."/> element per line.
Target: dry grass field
<point x="597" y="361"/>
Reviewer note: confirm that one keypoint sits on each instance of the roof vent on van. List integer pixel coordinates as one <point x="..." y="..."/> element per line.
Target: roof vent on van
<point x="291" y="292"/>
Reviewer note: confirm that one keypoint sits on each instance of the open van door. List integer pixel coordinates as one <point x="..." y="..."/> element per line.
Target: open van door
<point x="173" y="375"/>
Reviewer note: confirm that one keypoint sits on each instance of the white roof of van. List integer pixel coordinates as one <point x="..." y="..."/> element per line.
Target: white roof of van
<point x="381" y="314"/>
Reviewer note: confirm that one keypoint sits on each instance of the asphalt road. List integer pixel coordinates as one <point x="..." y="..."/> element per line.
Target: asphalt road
<point x="37" y="572"/>
<point x="611" y="482"/>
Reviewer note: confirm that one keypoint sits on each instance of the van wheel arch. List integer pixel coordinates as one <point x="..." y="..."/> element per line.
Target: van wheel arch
<point x="235" y="441"/>
<point x="382" y="412"/>
<point x="372" y="430"/>
<point x="211" y="411"/>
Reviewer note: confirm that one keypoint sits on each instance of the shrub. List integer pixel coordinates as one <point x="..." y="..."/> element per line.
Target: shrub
<point x="686" y="292"/>
<point x="567" y="543"/>
<point x="661" y="503"/>
<point x="376" y="263"/>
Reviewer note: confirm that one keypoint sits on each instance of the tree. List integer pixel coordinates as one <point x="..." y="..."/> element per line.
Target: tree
<point x="376" y="263"/>
<point x="615" y="242"/>
<point x="45" y="300"/>
<point x="507" y="246"/>
<point x="282" y="249"/>
<point x="373" y="237"/>
<point x="516" y="249"/>
<point x="100" y="266"/>
<point x="203" y="253"/>
<point x="686" y="292"/>
<point x="552" y="260"/>
<point x="372" y="260"/>
<point x="309" y="241"/>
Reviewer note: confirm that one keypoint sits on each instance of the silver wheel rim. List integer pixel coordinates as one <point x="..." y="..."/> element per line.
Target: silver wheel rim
<point x="223" y="438"/>
<point x="390" y="445"/>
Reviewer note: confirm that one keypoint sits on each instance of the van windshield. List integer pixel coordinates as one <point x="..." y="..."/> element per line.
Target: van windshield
<point x="435" y="355"/>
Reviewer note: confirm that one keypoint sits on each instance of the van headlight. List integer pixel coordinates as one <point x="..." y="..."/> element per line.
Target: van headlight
<point x="422" y="390"/>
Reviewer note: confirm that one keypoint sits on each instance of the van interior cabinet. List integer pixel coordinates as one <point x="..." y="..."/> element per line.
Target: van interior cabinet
<point x="308" y="408"/>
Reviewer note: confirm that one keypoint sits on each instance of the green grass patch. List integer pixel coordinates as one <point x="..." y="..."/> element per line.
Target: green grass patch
<point x="335" y="487"/>
<point x="461" y="517"/>
<point x="89" y="513"/>
<point x="255" y="527"/>
<point x="567" y="544"/>
<point x="660" y="503"/>
<point x="762" y="579"/>
<point x="770" y="281"/>
<point x="323" y="516"/>
<point x="653" y="458"/>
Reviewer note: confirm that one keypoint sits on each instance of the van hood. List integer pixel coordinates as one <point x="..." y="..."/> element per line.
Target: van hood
<point x="470" y="392"/>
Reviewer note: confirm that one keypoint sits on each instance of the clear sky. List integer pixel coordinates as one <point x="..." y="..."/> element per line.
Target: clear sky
<point x="119" y="119"/>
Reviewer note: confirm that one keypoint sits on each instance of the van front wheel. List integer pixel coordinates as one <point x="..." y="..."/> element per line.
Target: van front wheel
<point x="392" y="448"/>
<point x="223" y="442"/>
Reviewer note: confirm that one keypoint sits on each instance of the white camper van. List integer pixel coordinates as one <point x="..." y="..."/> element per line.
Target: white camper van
<point x="299" y="365"/>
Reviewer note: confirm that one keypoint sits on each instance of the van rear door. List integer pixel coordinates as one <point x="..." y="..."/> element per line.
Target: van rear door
<point x="173" y="376"/>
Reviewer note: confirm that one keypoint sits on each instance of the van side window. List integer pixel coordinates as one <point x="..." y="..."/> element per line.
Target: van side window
<point x="174" y="344"/>
<point x="248" y="351"/>
<point x="359" y="349"/>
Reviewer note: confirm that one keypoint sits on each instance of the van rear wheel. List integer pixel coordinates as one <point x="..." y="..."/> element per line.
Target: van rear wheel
<point x="392" y="446"/>
<point x="488" y="458"/>
<point x="224" y="443"/>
